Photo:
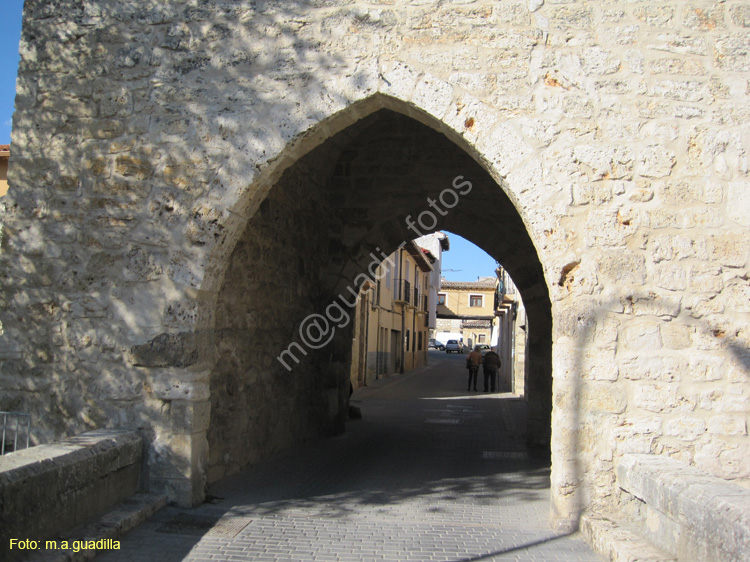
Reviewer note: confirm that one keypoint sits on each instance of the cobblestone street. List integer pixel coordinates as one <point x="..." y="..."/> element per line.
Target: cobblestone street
<point x="430" y="472"/>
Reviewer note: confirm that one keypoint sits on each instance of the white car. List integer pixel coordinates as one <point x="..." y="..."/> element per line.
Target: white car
<point x="436" y="344"/>
<point x="454" y="346"/>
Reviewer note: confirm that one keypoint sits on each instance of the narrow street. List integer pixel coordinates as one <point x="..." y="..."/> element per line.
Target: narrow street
<point x="430" y="472"/>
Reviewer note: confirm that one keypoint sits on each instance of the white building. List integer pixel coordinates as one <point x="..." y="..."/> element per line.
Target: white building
<point x="436" y="243"/>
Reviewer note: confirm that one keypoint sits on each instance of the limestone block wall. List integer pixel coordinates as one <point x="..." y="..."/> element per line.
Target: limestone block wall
<point x="147" y="135"/>
<point x="51" y="489"/>
<point x="260" y="405"/>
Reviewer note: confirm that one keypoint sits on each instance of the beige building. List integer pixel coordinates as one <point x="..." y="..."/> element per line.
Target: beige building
<point x="467" y="308"/>
<point x="391" y="318"/>
<point x="4" y="157"/>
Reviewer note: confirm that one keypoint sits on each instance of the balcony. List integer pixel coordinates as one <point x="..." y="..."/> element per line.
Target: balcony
<point x="402" y="293"/>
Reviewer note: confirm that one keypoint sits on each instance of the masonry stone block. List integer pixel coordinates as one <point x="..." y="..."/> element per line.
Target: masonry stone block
<point x="433" y="96"/>
<point x="668" y="248"/>
<point x="190" y="417"/>
<point x="729" y="250"/>
<point x="652" y="303"/>
<point x="603" y="397"/>
<point x="168" y="385"/>
<point x="729" y="53"/>
<point x="738" y="202"/>
<point x="472" y="118"/>
<point x="664" y="369"/>
<point x="740" y="15"/>
<point x="641" y="335"/>
<point x="728" y="425"/>
<point x="139" y="168"/>
<point x="688" y="429"/>
<point x="655" y="398"/>
<point x="671" y="277"/>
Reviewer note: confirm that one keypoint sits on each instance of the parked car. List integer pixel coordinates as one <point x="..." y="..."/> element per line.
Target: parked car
<point x="454" y="346"/>
<point x="436" y="344"/>
<point x="483" y="348"/>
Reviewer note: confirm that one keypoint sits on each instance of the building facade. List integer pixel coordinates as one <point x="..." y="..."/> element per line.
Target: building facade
<point x="392" y="317"/>
<point x="467" y="308"/>
<point x="435" y="243"/>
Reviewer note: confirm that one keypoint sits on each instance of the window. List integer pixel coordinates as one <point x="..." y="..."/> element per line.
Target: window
<point x="441" y="298"/>
<point x="408" y="334"/>
<point x="420" y="341"/>
<point x="482" y="338"/>
<point x="475" y="300"/>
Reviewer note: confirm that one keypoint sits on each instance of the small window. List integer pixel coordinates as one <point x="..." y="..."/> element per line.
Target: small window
<point x="482" y="338"/>
<point x="441" y="298"/>
<point x="475" y="300"/>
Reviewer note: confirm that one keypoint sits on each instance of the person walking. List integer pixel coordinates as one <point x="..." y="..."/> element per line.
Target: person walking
<point x="491" y="365"/>
<point x="472" y="363"/>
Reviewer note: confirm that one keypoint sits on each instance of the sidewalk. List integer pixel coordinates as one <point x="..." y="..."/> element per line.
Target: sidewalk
<point x="431" y="472"/>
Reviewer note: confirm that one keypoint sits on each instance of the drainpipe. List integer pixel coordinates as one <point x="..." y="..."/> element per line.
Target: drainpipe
<point x="403" y="308"/>
<point x="367" y="336"/>
<point x="413" y="337"/>
<point x="379" y="360"/>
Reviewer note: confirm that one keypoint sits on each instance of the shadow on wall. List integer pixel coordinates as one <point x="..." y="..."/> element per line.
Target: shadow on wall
<point x="131" y="191"/>
<point x="96" y="273"/>
<point x="619" y="385"/>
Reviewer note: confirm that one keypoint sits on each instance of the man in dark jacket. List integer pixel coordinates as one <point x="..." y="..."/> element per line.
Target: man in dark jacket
<point x="491" y="365"/>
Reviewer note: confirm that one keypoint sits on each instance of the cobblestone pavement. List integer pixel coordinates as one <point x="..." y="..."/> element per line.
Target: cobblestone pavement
<point x="430" y="472"/>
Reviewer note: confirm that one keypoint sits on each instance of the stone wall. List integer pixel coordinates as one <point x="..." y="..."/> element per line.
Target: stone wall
<point x="274" y="280"/>
<point x="606" y="141"/>
<point x="50" y="489"/>
<point x="448" y="325"/>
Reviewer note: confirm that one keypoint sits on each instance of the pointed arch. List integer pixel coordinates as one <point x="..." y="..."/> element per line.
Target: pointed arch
<point x="341" y="198"/>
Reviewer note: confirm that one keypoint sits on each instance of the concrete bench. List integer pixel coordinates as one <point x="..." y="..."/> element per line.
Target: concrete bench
<point x="692" y="515"/>
<point x="48" y="489"/>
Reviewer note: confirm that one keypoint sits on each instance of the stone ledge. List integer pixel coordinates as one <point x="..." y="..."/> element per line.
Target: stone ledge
<point x="618" y="542"/>
<point x="693" y="515"/>
<point x="48" y="489"/>
<point x="113" y="525"/>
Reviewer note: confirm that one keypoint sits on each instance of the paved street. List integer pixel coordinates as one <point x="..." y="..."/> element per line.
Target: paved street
<point x="430" y="472"/>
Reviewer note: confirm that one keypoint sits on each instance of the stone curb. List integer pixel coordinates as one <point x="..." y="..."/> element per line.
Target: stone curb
<point x="618" y="542"/>
<point x="704" y="516"/>
<point x="113" y="525"/>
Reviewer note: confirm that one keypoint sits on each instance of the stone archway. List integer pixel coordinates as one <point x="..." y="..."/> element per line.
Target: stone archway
<point x="355" y="197"/>
<point x="148" y="134"/>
